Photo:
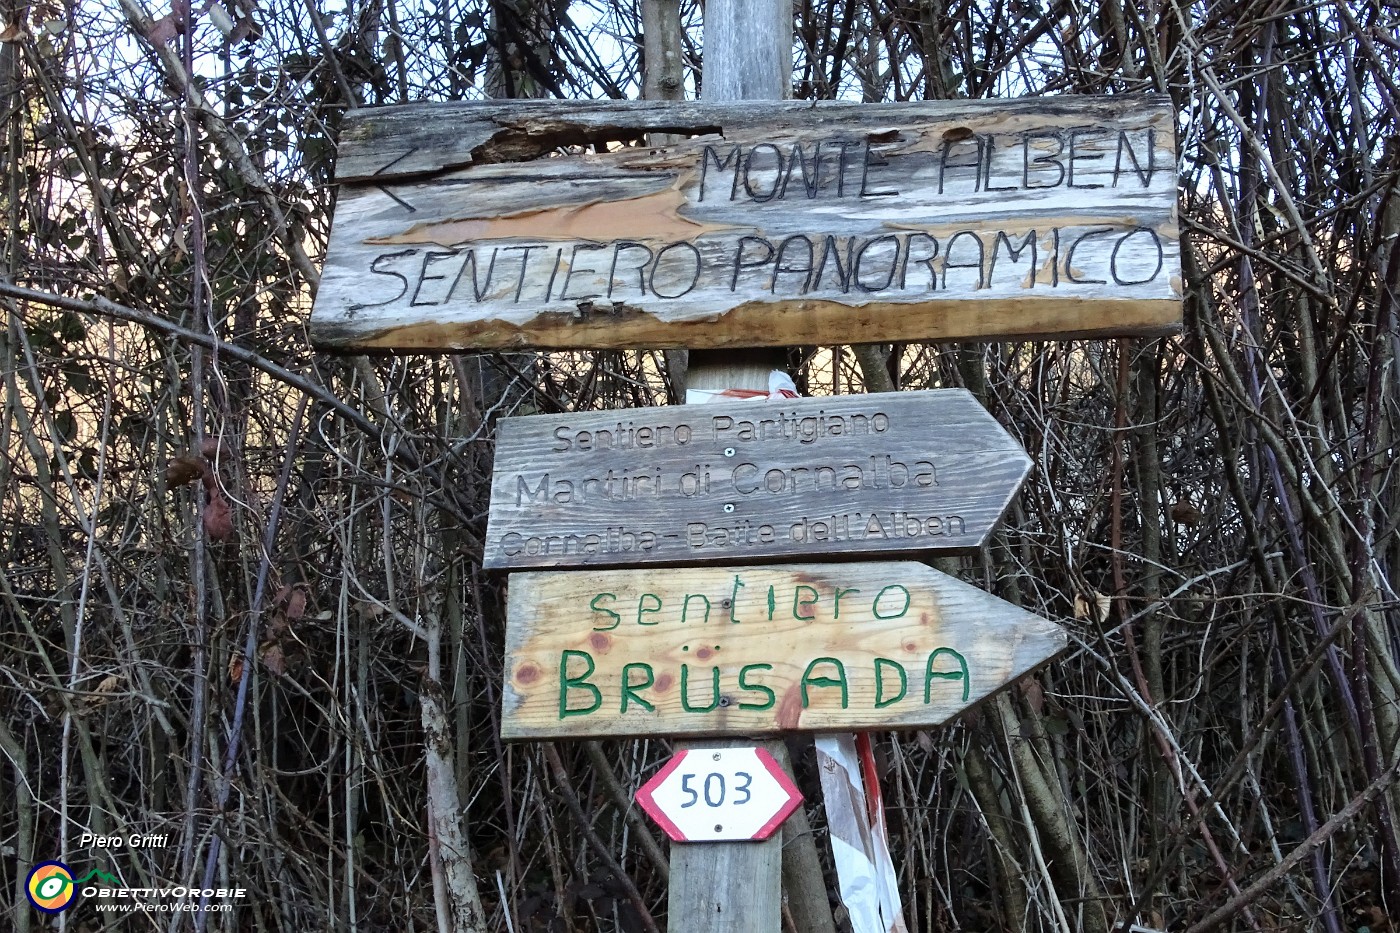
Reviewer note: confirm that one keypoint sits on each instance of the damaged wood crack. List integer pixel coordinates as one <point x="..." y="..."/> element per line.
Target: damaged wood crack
<point x="526" y="140"/>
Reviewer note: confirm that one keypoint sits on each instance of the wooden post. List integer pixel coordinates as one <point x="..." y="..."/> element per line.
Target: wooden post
<point x="748" y="56"/>
<point x="736" y="887"/>
<point x="748" y="50"/>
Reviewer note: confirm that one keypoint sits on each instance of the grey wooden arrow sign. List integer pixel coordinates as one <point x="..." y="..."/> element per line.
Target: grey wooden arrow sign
<point x="906" y="472"/>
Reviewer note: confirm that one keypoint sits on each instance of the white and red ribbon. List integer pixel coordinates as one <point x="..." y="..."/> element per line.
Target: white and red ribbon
<point x="856" y="822"/>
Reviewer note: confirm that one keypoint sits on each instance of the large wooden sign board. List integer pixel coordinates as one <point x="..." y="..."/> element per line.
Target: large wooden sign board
<point x="750" y="481"/>
<point x="497" y="225"/>
<point x="756" y="650"/>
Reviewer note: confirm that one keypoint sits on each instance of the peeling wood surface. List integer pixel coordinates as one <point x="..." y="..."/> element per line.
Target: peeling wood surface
<point x="460" y="226"/>
<point x="807" y="647"/>
<point x="751" y="481"/>
<point x="382" y="143"/>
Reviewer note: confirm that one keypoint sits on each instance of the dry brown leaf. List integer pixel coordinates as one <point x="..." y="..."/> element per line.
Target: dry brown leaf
<point x="163" y="30"/>
<point x="1100" y="608"/>
<point x="235" y="669"/>
<point x="182" y="470"/>
<point x="247" y="29"/>
<point x="102" y="692"/>
<point x="275" y="625"/>
<point x="1104" y="605"/>
<point x="11" y="33"/>
<point x="274" y="659"/>
<point x="1034" y="694"/>
<point x="218" y="517"/>
<point x="1184" y="512"/>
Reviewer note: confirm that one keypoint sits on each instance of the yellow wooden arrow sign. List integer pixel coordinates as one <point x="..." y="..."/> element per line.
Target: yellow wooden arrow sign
<point x="757" y="650"/>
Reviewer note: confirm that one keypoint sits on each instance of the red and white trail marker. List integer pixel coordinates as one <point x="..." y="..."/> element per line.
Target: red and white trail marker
<point x="719" y="795"/>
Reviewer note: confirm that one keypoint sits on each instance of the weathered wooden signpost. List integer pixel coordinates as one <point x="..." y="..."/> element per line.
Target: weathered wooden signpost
<point x="512" y="224"/>
<point x="460" y="227"/>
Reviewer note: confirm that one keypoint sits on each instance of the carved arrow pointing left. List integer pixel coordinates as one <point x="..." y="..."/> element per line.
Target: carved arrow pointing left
<point x="385" y="167"/>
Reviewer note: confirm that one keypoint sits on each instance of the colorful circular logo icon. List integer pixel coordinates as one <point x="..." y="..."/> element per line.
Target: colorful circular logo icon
<point x="50" y="887"/>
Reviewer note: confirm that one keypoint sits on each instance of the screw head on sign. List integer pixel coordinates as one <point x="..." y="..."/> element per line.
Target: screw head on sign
<point x="729" y="451"/>
<point x="729" y="506"/>
<point x="715" y="756"/>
